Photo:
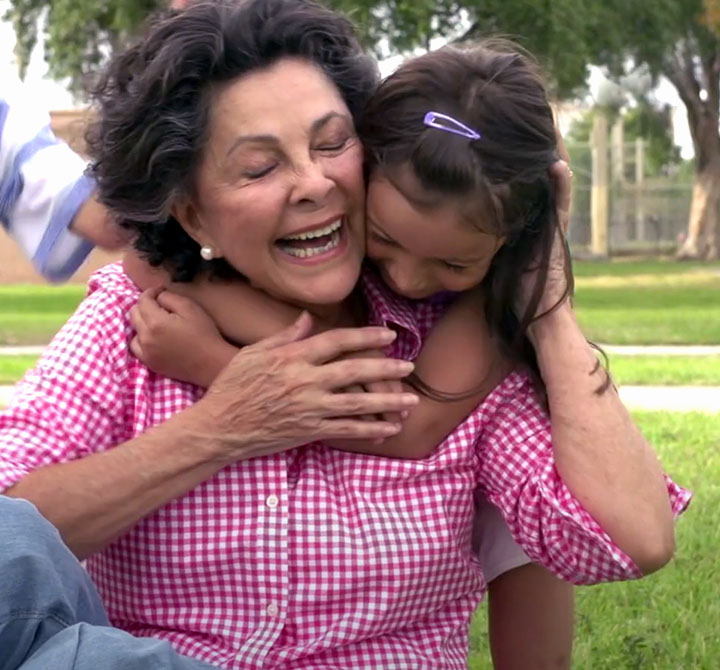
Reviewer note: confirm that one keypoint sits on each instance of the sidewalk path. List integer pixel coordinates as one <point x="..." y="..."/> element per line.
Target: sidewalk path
<point x="668" y="398"/>
<point x="672" y="398"/>
<point x="661" y="350"/>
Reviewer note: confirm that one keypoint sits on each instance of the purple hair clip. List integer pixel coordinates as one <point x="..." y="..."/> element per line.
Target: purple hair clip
<point x="450" y="125"/>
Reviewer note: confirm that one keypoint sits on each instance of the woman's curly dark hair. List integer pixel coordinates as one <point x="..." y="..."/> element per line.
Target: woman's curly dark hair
<point x="154" y="100"/>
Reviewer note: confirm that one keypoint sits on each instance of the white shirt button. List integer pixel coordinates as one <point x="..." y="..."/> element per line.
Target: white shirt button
<point x="272" y="501"/>
<point x="272" y="609"/>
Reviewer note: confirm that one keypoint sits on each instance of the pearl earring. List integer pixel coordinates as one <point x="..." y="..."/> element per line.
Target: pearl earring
<point x="207" y="253"/>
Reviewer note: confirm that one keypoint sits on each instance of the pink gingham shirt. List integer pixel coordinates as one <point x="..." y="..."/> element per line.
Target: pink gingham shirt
<point x="314" y="558"/>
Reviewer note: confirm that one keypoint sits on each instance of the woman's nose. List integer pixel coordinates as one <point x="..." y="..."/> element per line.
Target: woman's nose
<point x="312" y="184"/>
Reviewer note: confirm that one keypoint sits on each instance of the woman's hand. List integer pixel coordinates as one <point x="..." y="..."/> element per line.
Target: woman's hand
<point x="176" y="338"/>
<point x="286" y="391"/>
<point x="383" y="386"/>
<point x="556" y="284"/>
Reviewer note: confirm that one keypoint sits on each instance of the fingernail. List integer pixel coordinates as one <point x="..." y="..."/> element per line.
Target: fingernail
<point x="405" y="414"/>
<point x="389" y="335"/>
<point x="379" y="440"/>
<point x="393" y="429"/>
<point x="406" y="366"/>
<point x="410" y="399"/>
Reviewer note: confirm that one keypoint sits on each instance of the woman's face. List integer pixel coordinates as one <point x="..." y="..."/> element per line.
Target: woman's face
<point x="279" y="192"/>
<point x="421" y="243"/>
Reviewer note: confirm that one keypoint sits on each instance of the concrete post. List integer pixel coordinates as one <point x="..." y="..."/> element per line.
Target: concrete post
<point x="639" y="184"/>
<point x="600" y="194"/>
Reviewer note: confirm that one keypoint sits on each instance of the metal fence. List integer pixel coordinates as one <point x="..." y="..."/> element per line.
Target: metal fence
<point x="646" y="215"/>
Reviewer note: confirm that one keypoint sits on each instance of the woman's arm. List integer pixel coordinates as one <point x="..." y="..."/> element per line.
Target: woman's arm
<point x="275" y="395"/>
<point x="614" y="478"/>
<point x="599" y="452"/>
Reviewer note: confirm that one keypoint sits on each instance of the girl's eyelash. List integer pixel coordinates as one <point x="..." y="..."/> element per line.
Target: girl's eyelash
<point x="454" y="268"/>
<point x="380" y="238"/>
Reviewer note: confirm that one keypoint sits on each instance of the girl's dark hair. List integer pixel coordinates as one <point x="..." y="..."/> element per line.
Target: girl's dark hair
<point x="502" y="178"/>
<point x="154" y="100"/>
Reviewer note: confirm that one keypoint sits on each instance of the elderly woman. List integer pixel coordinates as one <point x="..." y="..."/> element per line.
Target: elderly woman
<point x="200" y="526"/>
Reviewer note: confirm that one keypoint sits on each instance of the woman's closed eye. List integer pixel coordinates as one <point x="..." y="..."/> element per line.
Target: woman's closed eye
<point x="257" y="173"/>
<point x="336" y="144"/>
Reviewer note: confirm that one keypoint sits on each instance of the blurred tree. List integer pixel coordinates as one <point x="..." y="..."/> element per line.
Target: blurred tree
<point x="644" y="120"/>
<point x="558" y="32"/>
<point x="675" y="38"/>
<point x="80" y="33"/>
<point x="679" y="40"/>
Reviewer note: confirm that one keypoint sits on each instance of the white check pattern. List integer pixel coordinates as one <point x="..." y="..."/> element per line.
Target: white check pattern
<point x="315" y="558"/>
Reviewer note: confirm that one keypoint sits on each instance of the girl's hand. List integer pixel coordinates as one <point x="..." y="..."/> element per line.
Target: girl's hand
<point x="176" y="338"/>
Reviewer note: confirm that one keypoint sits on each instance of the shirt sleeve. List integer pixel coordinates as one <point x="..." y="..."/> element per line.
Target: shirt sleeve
<point x="70" y="405"/>
<point x="42" y="187"/>
<point x="517" y="473"/>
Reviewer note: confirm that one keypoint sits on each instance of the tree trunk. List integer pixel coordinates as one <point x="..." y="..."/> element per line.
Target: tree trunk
<point x="703" y="236"/>
<point x="703" y="239"/>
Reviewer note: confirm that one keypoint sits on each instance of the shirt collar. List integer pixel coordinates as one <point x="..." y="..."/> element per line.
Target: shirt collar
<point x="390" y="310"/>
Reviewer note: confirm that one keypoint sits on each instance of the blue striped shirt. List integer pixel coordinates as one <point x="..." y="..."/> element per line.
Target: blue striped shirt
<point x="42" y="187"/>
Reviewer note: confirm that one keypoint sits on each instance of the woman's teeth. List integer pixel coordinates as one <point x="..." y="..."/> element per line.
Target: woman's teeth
<point x="300" y="246"/>
<point x="319" y="232"/>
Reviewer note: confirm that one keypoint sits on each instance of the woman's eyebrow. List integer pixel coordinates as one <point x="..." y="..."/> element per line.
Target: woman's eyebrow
<point x="245" y="139"/>
<point x="319" y="123"/>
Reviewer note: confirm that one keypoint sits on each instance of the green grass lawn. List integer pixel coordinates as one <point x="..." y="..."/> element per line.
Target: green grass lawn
<point x="640" y="370"/>
<point x="12" y="368"/>
<point x="32" y="314"/>
<point x="621" y="302"/>
<point x="670" y="620"/>
<point x="649" y="302"/>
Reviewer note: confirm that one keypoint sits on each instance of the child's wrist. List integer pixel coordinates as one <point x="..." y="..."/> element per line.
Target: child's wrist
<point x="219" y="356"/>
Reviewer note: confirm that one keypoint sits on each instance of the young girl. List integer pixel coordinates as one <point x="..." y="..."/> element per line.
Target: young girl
<point x="460" y="208"/>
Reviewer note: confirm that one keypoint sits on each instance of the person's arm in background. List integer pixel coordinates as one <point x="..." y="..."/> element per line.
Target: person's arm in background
<point x="46" y="201"/>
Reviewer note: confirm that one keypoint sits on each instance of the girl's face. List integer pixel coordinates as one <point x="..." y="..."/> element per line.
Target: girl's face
<point x="420" y="242"/>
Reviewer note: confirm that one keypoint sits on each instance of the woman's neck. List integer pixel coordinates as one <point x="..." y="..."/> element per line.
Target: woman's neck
<point x="350" y="313"/>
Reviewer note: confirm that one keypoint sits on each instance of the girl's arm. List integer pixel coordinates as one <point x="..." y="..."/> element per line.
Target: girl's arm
<point x="243" y="314"/>
<point x="458" y="355"/>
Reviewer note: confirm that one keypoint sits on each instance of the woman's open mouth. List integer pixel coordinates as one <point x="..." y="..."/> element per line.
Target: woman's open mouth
<point x="314" y="245"/>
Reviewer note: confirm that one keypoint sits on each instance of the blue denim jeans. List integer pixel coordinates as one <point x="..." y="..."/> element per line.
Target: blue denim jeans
<point x="51" y="617"/>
